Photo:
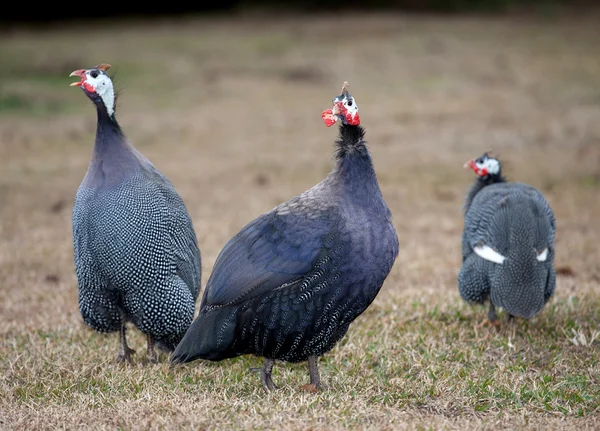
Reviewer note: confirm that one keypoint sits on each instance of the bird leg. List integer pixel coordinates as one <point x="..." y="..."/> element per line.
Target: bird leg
<point x="152" y="356"/>
<point x="125" y="353"/>
<point x="492" y="313"/>
<point x="265" y="375"/>
<point x="492" y="319"/>
<point x="313" y="371"/>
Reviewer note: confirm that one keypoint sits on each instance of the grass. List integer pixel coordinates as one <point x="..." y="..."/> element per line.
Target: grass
<point x="229" y="110"/>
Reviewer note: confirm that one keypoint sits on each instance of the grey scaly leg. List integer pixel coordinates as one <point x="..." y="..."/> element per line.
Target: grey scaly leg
<point x="265" y="375"/>
<point x="492" y="319"/>
<point x="492" y="313"/>
<point x="152" y="356"/>
<point x="125" y="353"/>
<point x="313" y="370"/>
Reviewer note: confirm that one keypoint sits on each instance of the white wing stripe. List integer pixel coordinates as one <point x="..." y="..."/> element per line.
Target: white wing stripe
<point x="490" y="254"/>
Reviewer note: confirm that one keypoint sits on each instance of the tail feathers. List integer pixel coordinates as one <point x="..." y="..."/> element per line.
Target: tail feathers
<point x="210" y="337"/>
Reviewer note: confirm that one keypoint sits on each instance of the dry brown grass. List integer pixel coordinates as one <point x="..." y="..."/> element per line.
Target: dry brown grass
<point x="230" y="111"/>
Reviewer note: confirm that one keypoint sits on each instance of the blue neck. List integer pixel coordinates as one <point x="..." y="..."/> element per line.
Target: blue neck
<point x="113" y="159"/>
<point x="354" y="171"/>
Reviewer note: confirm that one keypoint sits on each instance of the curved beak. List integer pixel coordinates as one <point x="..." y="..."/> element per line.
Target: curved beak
<point x="81" y="74"/>
<point x="338" y="108"/>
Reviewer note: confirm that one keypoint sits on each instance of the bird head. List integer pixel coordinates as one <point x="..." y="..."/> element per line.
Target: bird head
<point x="484" y="166"/>
<point x="97" y="85"/>
<point x="344" y="109"/>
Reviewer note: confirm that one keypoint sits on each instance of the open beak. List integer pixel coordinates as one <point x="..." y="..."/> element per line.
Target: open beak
<point x="338" y="108"/>
<point x="81" y="74"/>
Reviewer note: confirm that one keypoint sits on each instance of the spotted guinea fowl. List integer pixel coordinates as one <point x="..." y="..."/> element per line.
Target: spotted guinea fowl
<point x="136" y="253"/>
<point x="507" y="245"/>
<point x="289" y="284"/>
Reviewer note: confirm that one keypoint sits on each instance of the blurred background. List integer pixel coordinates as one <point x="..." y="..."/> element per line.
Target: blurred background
<point x="60" y="12"/>
<point x="226" y="101"/>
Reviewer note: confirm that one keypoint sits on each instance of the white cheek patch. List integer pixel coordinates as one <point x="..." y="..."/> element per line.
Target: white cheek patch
<point x="104" y="88"/>
<point x="489" y="253"/>
<point x="541" y="257"/>
<point x="492" y="166"/>
<point x="352" y="109"/>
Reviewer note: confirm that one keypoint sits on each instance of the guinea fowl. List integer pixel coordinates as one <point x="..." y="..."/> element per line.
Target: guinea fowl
<point x="289" y="284"/>
<point x="507" y="244"/>
<point x="136" y="253"/>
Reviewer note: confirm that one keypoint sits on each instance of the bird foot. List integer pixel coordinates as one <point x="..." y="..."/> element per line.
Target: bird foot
<point x="267" y="380"/>
<point x="153" y="357"/>
<point x="489" y="323"/>
<point x="125" y="355"/>
<point x="309" y="387"/>
<point x="151" y="353"/>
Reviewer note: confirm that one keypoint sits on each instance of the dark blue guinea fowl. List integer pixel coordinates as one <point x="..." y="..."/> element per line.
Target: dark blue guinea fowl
<point x="136" y="254"/>
<point x="508" y="244"/>
<point x="289" y="284"/>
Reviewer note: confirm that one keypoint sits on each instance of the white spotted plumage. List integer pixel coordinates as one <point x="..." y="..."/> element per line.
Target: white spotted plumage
<point x="135" y="249"/>
<point x="508" y="243"/>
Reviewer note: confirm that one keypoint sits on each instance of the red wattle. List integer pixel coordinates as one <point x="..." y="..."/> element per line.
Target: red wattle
<point x="353" y="120"/>
<point x="328" y="117"/>
<point x="88" y="87"/>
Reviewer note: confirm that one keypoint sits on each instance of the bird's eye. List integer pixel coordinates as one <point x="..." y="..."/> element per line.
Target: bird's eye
<point x="349" y="102"/>
<point x="94" y="74"/>
<point x="479" y="161"/>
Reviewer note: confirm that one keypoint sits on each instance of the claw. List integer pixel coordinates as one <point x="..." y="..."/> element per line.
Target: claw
<point x="490" y="323"/>
<point x="125" y="355"/>
<point x="265" y="375"/>
<point x="150" y="351"/>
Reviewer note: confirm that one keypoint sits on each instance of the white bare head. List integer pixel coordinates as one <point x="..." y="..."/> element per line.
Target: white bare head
<point x="97" y="85"/>
<point x="485" y="165"/>
<point x="344" y="108"/>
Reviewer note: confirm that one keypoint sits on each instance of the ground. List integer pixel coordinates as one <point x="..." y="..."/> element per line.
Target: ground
<point x="229" y="109"/>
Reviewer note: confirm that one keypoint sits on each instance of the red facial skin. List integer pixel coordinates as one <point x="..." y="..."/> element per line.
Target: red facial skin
<point x="481" y="172"/>
<point x="330" y="116"/>
<point x="81" y="73"/>
<point x="351" y="119"/>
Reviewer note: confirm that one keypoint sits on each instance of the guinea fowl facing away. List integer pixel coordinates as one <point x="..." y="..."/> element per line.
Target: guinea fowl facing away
<point x="289" y="284"/>
<point x="507" y="244"/>
<point x="136" y="253"/>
